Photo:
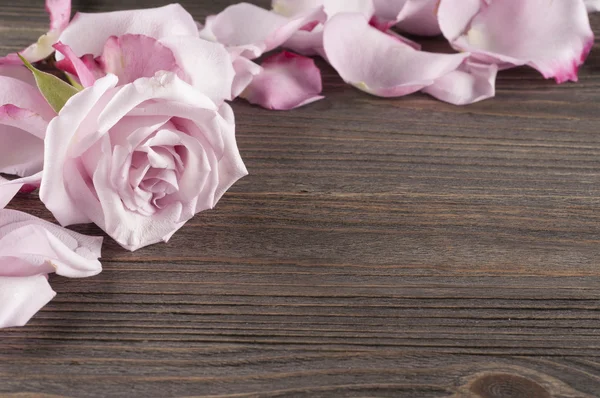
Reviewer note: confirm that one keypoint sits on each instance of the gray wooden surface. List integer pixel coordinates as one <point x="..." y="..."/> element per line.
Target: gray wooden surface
<point x="381" y="248"/>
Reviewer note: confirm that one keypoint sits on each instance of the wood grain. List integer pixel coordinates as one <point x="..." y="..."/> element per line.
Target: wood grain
<point x="380" y="248"/>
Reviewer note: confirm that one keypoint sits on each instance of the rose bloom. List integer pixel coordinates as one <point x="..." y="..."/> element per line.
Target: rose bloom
<point x="140" y="159"/>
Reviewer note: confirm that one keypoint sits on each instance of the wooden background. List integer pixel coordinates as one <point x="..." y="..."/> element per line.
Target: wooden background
<point x="381" y="248"/>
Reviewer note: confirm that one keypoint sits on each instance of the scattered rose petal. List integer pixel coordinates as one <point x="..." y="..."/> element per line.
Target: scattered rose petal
<point x="471" y="82"/>
<point x="250" y="31"/>
<point x="287" y="81"/>
<point x="592" y="5"/>
<point x="553" y="37"/>
<point x="30" y="249"/>
<point x="378" y="63"/>
<point x="245" y="71"/>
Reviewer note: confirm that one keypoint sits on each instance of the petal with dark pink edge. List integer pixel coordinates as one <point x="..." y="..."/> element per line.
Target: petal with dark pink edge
<point x="287" y="81"/>
<point x="132" y="56"/>
<point x="74" y="65"/>
<point x="22" y="297"/>
<point x="378" y="63"/>
<point x="250" y="31"/>
<point x="551" y="36"/>
<point x="471" y="82"/>
<point x="88" y="33"/>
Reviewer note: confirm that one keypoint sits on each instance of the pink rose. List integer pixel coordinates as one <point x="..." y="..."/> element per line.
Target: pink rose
<point x="139" y="160"/>
<point x="30" y="249"/>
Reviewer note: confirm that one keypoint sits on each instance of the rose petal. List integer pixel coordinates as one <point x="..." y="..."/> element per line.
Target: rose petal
<point x="208" y="65"/>
<point x="231" y="165"/>
<point x="245" y="71"/>
<point x="46" y="247"/>
<point x="287" y="81"/>
<point x="87" y="33"/>
<point x="132" y="56"/>
<point x="378" y="63"/>
<point x="22" y="297"/>
<point x="553" y="37"/>
<point x="592" y="5"/>
<point x="292" y="8"/>
<point x="59" y="12"/>
<point x="419" y="17"/>
<point x="250" y="31"/>
<point x="52" y="190"/>
<point x="471" y="82"/>
<point x="72" y="64"/>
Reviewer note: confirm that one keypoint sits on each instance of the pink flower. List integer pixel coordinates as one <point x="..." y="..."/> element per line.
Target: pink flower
<point x="139" y="160"/>
<point x="30" y="249"/>
<point x="138" y="43"/>
<point x="24" y="116"/>
<point x="60" y="12"/>
<point x="553" y="37"/>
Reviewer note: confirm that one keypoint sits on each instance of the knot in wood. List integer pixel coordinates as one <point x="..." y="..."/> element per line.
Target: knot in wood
<point x="502" y="385"/>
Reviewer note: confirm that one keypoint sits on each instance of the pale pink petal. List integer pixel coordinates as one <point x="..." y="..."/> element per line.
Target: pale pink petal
<point x="22" y="297"/>
<point x="24" y="116"/>
<point x="88" y="33"/>
<point x="231" y="166"/>
<point x="250" y="31"/>
<point x="9" y="188"/>
<point x="553" y="37"/>
<point x="419" y="17"/>
<point x="292" y="8"/>
<point x="287" y="81"/>
<point x="378" y="63"/>
<point x="52" y="190"/>
<point x="592" y="5"/>
<point x="471" y="82"/>
<point x="59" y="12"/>
<point x="307" y="42"/>
<point x="208" y="65"/>
<point x="72" y="64"/>
<point x="335" y="7"/>
<point x="30" y="248"/>
<point x="245" y="71"/>
<point x="132" y="56"/>
<point x="21" y="147"/>
<point x="45" y="247"/>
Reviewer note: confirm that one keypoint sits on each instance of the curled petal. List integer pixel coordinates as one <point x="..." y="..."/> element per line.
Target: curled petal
<point x="74" y="65"/>
<point x="250" y="31"/>
<point x="88" y="33"/>
<point x="245" y="71"/>
<point x="287" y="81"/>
<point x="553" y="37"/>
<point x="378" y="63"/>
<point x="471" y="82"/>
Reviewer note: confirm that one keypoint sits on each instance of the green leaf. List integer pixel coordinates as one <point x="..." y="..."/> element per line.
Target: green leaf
<point x="54" y="90"/>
